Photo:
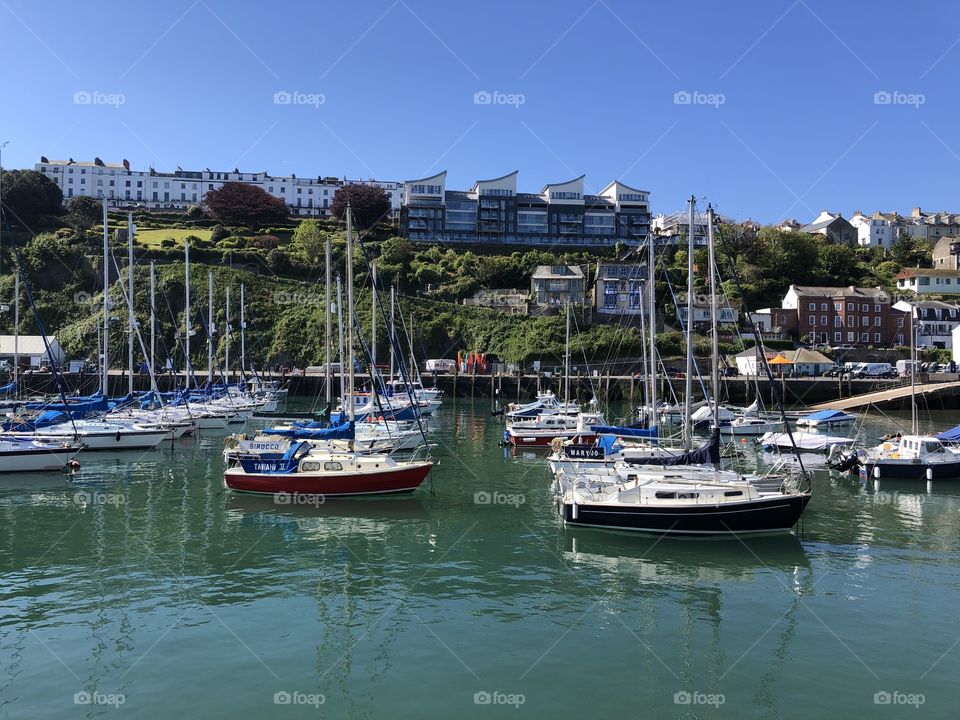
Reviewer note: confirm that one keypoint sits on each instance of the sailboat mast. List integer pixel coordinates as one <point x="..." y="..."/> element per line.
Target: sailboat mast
<point x="16" y="331"/>
<point x="373" y="322"/>
<point x="914" y="427"/>
<point x="348" y="393"/>
<point x="226" y="340"/>
<point x="340" y="357"/>
<point x="186" y="310"/>
<point x="651" y="307"/>
<point x="130" y="320"/>
<point x="393" y="327"/>
<point x="688" y="380"/>
<point x="566" y="360"/>
<point x="714" y="319"/>
<point x="104" y="359"/>
<point x="243" y="332"/>
<point x="210" y="329"/>
<point x="414" y="373"/>
<point x="153" y="317"/>
<point x="329" y="320"/>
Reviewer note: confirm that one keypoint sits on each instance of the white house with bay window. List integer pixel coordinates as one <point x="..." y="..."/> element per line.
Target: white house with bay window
<point x="618" y="288"/>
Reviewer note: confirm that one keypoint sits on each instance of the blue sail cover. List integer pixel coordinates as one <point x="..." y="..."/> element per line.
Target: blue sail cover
<point x="44" y="419"/>
<point x="628" y="431"/>
<point x="952" y="435"/>
<point x="8" y="388"/>
<point x="346" y="431"/>
<point x="77" y="409"/>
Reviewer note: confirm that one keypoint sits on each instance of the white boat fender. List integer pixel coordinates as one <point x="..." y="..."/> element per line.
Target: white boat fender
<point x="929" y="473"/>
<point x="876" y="471"/>
<point x="574" y="512"/>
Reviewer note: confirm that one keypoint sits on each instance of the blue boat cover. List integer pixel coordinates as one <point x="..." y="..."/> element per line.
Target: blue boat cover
<point x="703" y="455"/>
<point x="826" y="415"/>
<point x="951" y="435"/>
<point x="346" y="431"/>
<point x="8" y="388"/>
<point x="627" y="431"/>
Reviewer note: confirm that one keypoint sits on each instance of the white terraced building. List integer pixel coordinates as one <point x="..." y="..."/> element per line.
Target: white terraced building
<point x="177" y="190"/>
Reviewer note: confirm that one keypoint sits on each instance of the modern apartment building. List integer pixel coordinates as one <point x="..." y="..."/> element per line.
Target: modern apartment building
<point x="309" y="196"/>
<point x="493" y="212"/>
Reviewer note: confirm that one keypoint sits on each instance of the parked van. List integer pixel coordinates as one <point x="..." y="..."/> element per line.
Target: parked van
<point x="441" y="366"/>
<point x="872" y="370"/>
<point x="905" y="368"/>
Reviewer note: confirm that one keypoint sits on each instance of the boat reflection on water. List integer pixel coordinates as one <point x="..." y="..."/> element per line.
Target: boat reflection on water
<point x="288" y="506"/>
<point x="687" y="559"/>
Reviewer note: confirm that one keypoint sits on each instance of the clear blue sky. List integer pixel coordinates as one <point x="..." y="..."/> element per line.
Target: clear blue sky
<point x="797" y="131"/>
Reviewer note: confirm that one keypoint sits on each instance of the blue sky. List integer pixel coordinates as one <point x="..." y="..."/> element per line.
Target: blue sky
<point x="782" y="119"/>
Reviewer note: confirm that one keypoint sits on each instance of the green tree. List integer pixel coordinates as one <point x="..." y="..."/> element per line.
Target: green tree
<point x="309" y="238"/>
<point x="28" y="193"/>
<point x="909" y="252"/>
<point x="84" y="212"/>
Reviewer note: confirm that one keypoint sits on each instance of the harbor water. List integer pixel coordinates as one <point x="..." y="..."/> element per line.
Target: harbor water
<point x="140" y="588"/>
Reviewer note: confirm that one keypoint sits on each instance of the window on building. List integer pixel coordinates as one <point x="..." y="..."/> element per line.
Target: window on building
<point x="837" y="321"/>
<point x="813" y="306"/>
<point x="851" y="321"/>
<point x="850" y="336"/>
<point x="850" y="307"/>
<point x="876" y="309"/>
<point x="823" y="306"/>
<point x="837" y="307"/>
<point x="813" y="320"/>
<point x="864" y="337"/>
<point x="838" y="337"/>
<point x="823" y="319"/>
<point x="877" y="321"/>
<point x="876" y="338"/>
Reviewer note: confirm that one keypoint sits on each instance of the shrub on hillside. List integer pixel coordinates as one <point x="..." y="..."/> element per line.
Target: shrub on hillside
<point x="218" y="232"/>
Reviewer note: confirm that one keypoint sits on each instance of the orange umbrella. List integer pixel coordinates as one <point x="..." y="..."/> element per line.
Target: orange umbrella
<point x="780" y="360"/>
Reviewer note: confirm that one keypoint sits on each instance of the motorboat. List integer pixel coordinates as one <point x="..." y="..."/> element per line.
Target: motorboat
<point x="826" y="418"/>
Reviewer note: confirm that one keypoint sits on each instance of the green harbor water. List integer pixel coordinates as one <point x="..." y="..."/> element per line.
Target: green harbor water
<point x="140" y="588"/>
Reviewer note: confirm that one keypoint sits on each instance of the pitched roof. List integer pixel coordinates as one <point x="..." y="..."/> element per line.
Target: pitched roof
<point x="926" y="272"/>
<point x="547" y="271"/>
<point x="823" y="291"/>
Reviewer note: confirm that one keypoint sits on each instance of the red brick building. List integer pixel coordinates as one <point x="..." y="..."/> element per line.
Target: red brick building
<point x="844" y="316"/>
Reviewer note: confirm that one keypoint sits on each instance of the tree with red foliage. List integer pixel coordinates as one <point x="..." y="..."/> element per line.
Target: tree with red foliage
<point x="242" y="204"/>
<point x="370" y="204"/>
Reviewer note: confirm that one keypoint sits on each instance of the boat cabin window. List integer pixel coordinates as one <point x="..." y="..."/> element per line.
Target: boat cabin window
<point x="310" y="466"/>
<point x="671" y="495"/>
<point x="332" y="466"/>
<point x="934" y="447"/>
<point x="733" y="493"/>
